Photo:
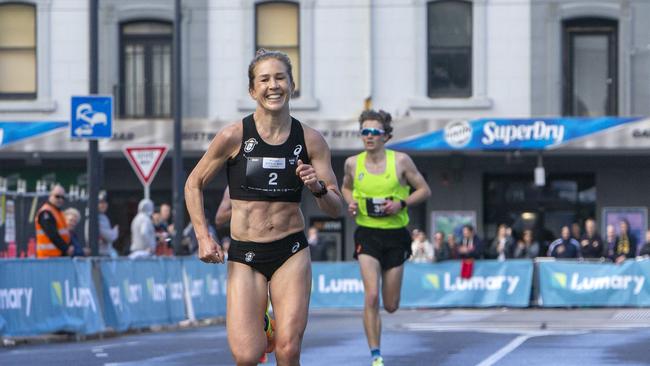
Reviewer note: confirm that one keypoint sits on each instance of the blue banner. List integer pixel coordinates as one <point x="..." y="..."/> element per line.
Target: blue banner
<point x="206" y="284"/>
<point x="140" y="293"/>
<point x="38" y="296"/>
<point x="493" y="283"/>
<point x="336" y="285"/>
<point x="510" y="134"/>
<point x="11" y="132"/>
<point x="591" y="284"/>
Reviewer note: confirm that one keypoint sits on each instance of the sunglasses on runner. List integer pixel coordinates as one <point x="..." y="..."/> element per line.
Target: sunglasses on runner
<point x="369" y="131"/>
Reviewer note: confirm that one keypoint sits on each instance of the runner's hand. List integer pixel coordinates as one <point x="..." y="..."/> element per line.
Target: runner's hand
<point x="210" y="251"/>
<point x="307" y="174"/>
<point x="353" y="208"/>
<point x="391" y="207"/>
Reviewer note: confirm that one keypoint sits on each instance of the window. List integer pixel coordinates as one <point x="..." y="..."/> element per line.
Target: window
<point x="146" y="60"/>
<point x="590" y="67"/>
<point x="449" y="49"/>
<point x="17" y="51"/>
<point x="276" y="25"/>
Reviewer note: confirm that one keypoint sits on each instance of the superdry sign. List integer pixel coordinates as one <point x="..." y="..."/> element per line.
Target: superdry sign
<point x="522" y="134"/>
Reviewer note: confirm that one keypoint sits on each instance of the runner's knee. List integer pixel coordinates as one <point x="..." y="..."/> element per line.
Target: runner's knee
<point x="246" y="356"/>
<point x="391" y="306"/>
<point x="287" y="349"/>
<point x="372" y="299"/>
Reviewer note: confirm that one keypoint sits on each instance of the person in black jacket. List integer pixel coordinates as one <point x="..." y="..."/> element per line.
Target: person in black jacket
<point x="591" y="244"/>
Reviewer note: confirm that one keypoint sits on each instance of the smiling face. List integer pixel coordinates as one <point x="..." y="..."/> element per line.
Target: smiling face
<point x="372" y="135"/>
<point x="272" y="85"/>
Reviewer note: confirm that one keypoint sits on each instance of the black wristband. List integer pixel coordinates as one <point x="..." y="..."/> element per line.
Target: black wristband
<point x="323" y="190"/>
<point x="402" y="203"/>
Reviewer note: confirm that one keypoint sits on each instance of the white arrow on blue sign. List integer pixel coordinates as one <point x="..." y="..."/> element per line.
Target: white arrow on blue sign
<point x="91" y="117"/>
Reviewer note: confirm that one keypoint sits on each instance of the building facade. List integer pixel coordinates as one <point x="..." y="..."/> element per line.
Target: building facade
<point x="431" y="64"/>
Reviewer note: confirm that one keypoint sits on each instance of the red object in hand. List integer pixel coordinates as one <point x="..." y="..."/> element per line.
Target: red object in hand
<point x="466" y="268"/>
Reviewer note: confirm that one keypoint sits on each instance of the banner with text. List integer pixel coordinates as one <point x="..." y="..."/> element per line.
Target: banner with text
<point x="594" y="284"/>
<point x="336" y="285"/>
<point x="38" y="296"/>
<point x="143" y="292"/>
<point x="493" y="283"/>
<point x="206" y="286"/>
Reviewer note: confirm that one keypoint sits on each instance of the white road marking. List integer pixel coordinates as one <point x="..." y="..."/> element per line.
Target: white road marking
<point x="505" y="350"/>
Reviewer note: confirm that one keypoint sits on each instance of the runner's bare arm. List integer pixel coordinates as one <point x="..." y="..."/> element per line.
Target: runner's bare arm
<point x="320" y="169"/>
<point x="414" y="179"/>
<point x="224" y="145"/>
<point x="348" y="184"/>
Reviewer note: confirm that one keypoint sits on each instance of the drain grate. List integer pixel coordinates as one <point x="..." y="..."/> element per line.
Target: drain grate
<point x="632" y="315"/>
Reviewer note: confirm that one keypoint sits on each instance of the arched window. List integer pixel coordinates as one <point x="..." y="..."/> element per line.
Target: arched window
<point x="146" y="69"/>
<point x="17" y="51"/>
<point x="276" y="28"/>
<point x="449" y="59"/>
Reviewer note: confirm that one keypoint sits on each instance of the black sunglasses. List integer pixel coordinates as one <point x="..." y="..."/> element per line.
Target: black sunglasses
<point x="372" y="131"/>
<point x="60" y="196"/>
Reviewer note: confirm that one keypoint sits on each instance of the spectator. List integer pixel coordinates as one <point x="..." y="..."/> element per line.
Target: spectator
<point x="576" y="231"/>
<point x="626" y="243"/>
<point x="441" y="251"/>
<point x="502" y="245"/>
<point x="610" y="243"/>
<point x="162" y="235"/>
<point x="470" y="245"/>
<point x="527" y="247"/>
<point x="143" y="234"/>
<point x="591" y="244"/>
<point x="452" y="244"/>
<point x="316" y="248"/>
<point x="646" y="248"/>
<point x="107" y="235"/>
<point x="72" y="217"/>
<point x="565" y="246"/>
<point x="52" y="235"/>
<point x="422" y="248"/>
<point x="166" y="218"/>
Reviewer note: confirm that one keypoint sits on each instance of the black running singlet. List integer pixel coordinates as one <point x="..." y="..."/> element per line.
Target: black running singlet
<point x="263" y="172"/>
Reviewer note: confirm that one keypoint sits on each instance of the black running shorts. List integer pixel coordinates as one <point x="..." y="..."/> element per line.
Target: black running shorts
<point x="391" y="247"/>
<point x="266" y="258"/>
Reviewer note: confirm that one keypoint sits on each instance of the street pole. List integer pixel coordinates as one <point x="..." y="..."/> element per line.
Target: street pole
<point x="179" y="174"/>
<point x="92" y="161"/>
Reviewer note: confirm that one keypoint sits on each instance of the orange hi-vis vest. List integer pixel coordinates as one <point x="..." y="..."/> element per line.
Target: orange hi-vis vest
<point x="45" y="248"/>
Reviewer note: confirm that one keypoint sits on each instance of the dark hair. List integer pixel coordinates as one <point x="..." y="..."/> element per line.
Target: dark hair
<point x="381" y="116"/>
<point x="263" y="54"/>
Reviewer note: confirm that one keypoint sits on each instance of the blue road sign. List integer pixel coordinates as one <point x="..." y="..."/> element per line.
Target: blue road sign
<point x="91" y="117"/>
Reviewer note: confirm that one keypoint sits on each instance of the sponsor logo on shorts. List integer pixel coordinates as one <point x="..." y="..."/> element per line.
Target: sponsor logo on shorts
<point x="295" y="247"/>
<point x="248" y="257"/>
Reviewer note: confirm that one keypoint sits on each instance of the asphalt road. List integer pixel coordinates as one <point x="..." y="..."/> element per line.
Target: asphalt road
<point x="411" y="337"/>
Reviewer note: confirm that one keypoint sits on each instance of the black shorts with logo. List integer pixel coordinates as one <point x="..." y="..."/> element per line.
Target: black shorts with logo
<point x="391" y="247"/>
<point x="266" y="258"/>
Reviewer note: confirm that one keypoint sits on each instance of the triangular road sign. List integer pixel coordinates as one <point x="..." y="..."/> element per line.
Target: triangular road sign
<point x="145" y="160"/>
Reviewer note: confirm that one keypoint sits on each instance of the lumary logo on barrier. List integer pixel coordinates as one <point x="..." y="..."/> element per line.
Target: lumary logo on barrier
<point x="595" y="283"/>
<point x="339" y="285"/>
<point x="16" y="299"/>
<point x="72" y="297"/>
<point x="476" y="283"/>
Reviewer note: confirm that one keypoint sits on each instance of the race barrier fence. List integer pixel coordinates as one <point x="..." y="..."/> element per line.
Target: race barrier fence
<point x="90" y="296"/>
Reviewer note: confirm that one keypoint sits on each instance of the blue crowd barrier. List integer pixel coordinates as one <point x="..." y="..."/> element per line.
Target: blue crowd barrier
<point x="588" y="284"/>
<point x="142" y="293"/>
<point x="38" y="296"/>
<point x="206" y="288"/>
<point x="46" y="296"/>
<point x="493" y="283"/>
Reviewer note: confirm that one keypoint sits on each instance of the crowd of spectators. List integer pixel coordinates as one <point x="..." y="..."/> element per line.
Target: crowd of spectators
<point x="575" y="242"/>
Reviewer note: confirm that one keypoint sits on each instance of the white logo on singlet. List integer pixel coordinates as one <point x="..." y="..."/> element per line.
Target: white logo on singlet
<point x="249" y="145"/>
<point x="295" y="247"/>
<point x="297" y="150"/>
<point x="248" y="257"/>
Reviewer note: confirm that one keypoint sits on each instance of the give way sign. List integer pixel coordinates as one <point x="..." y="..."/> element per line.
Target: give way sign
<point x="145" y="161"/>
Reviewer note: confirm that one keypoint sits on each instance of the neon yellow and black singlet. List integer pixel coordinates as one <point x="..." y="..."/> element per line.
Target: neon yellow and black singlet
<point x="371" y="190"/>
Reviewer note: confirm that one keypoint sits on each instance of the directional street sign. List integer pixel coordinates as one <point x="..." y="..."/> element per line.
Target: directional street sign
<point x="91" y="117"/>
<point x="145" y="161"/>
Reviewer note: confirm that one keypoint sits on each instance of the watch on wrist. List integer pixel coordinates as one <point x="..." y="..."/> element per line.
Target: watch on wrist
<point x="402" y="203"/>
<point x="323" y="190"/>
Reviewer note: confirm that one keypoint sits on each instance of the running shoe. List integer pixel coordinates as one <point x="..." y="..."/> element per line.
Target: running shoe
<point x="378" y="361"/>
<point x="269" y="324"/>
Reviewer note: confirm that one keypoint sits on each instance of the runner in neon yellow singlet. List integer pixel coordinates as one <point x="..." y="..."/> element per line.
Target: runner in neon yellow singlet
<point x="377" y="187"/>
